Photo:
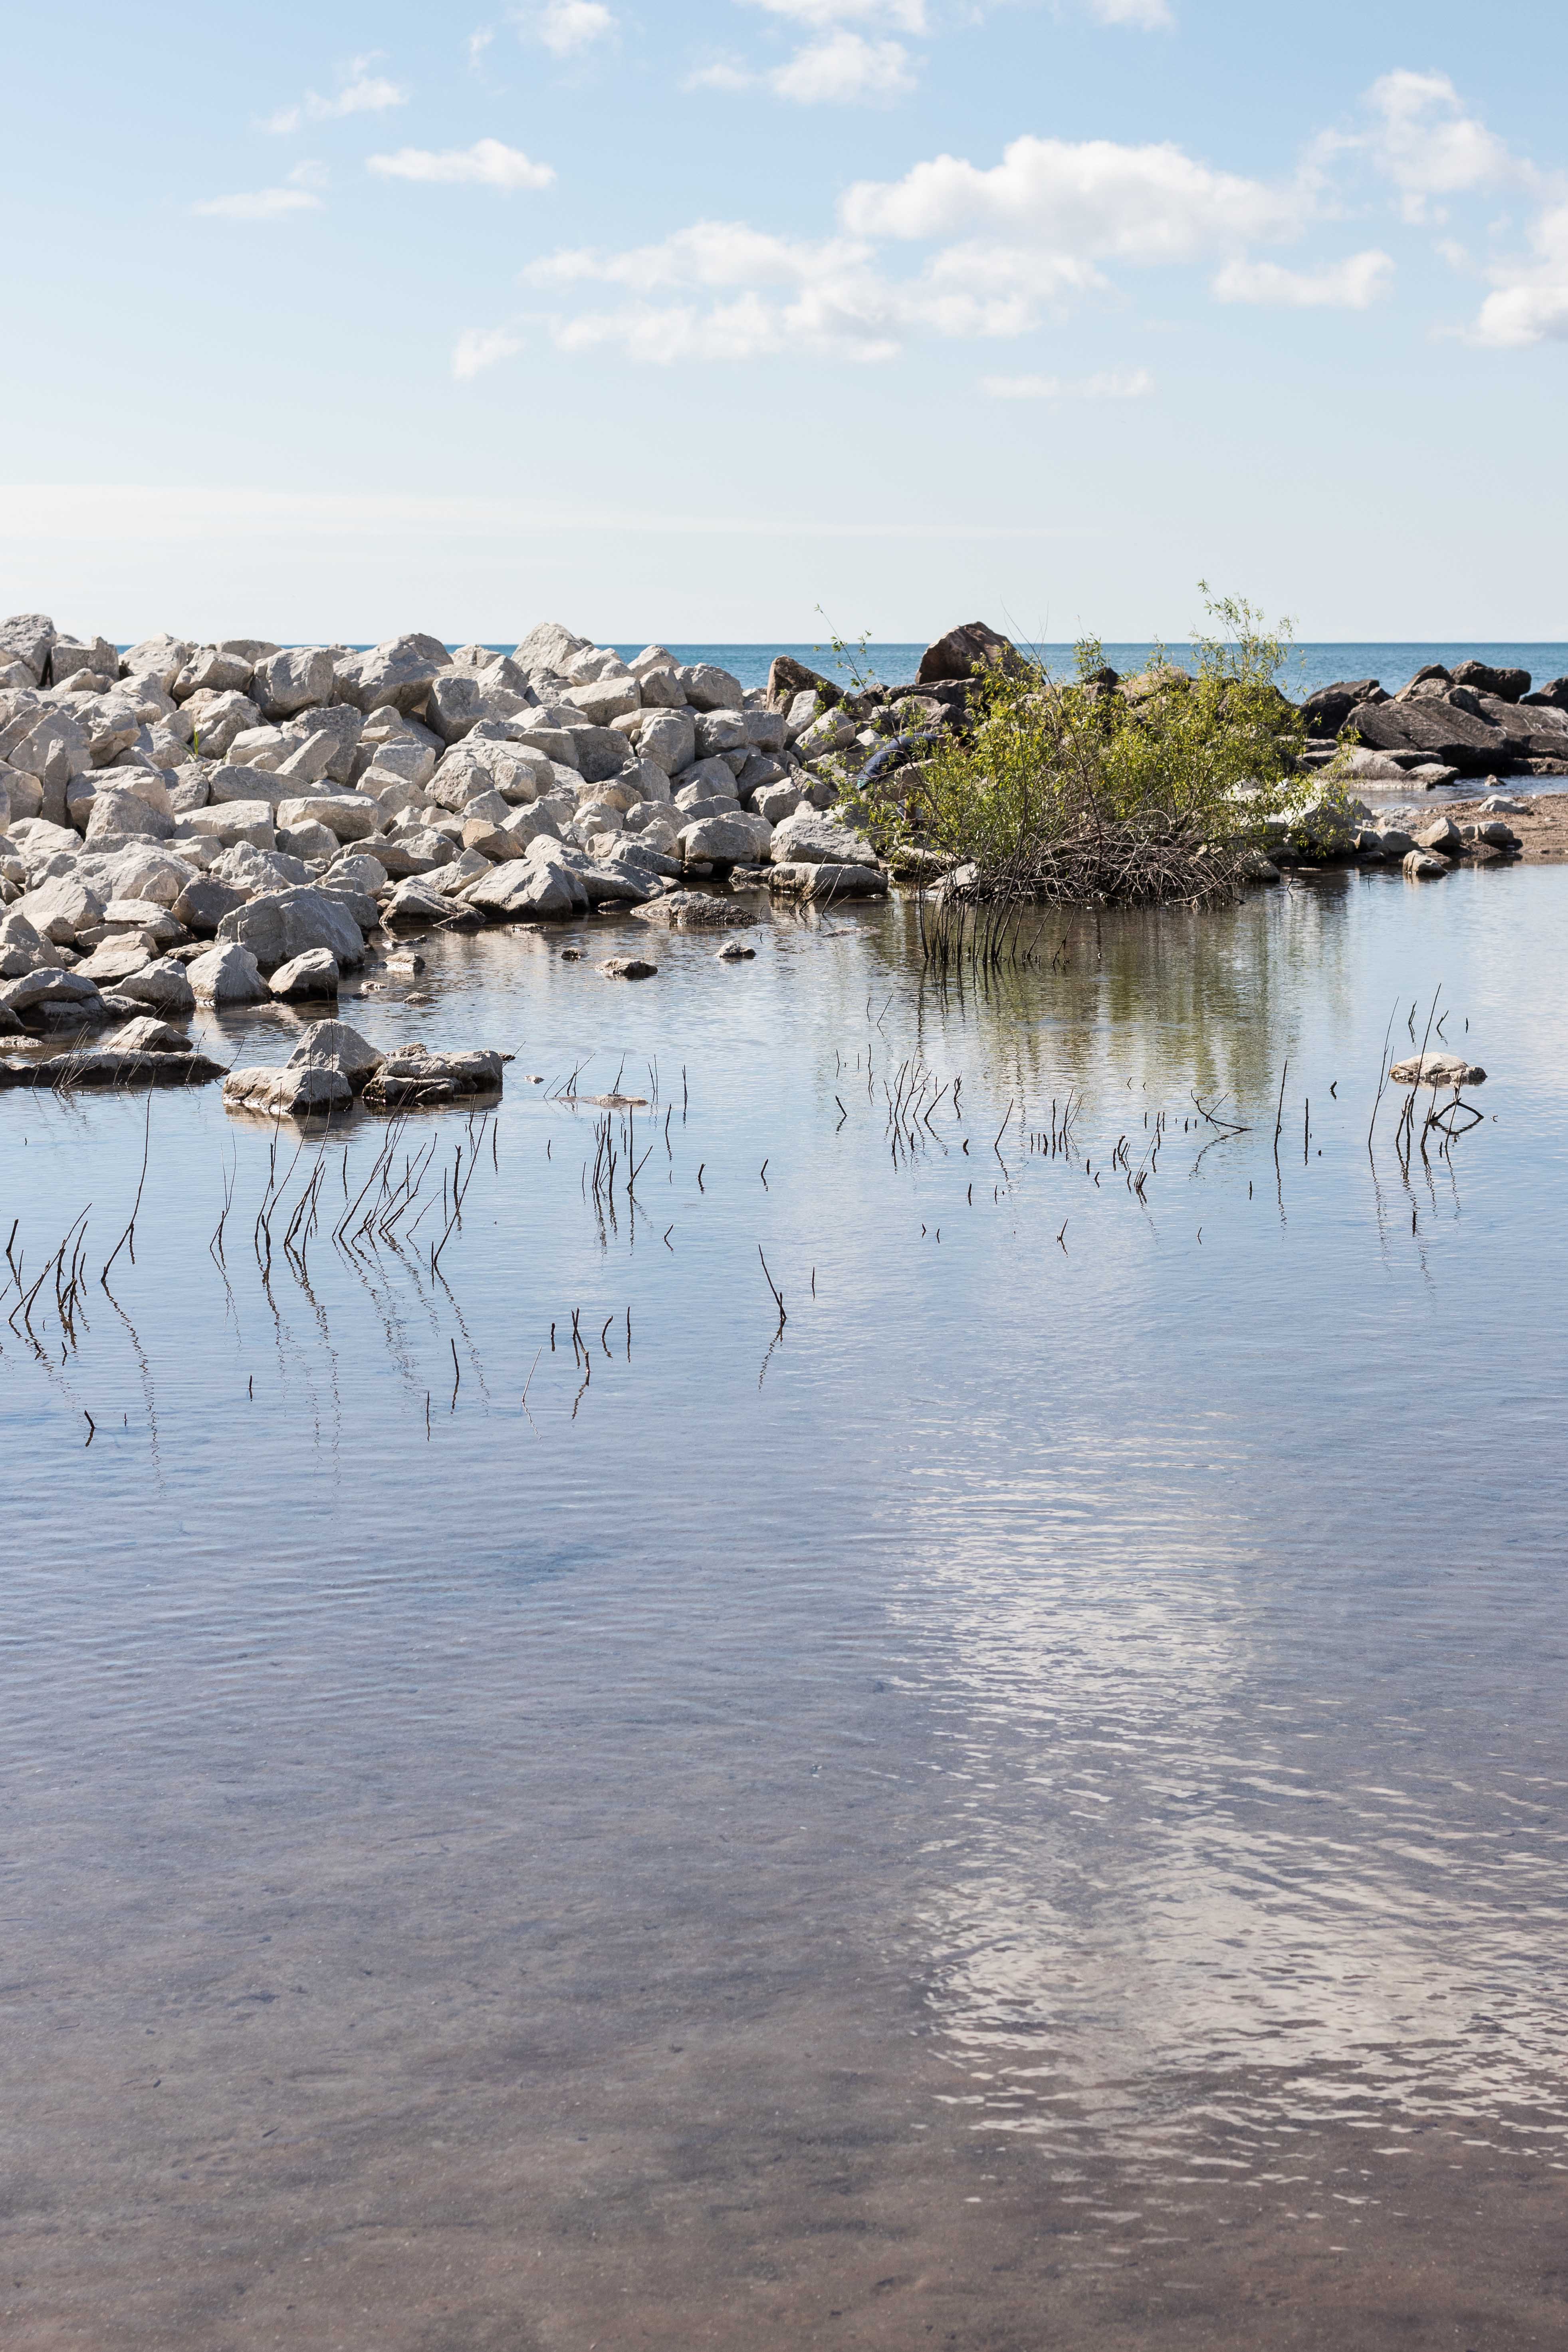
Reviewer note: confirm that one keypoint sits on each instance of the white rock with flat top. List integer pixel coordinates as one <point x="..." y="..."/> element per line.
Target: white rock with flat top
<point x="286" y="1093"/>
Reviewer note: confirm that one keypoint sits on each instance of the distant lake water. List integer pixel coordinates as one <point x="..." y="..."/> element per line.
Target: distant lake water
<point x="1309" y="666"/>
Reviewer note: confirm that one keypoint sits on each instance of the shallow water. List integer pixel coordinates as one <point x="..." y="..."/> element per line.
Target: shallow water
<point x="1024" y="1804"/>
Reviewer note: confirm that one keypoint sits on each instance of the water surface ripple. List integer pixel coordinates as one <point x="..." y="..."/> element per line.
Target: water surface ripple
<point x="1022" y="1804"/>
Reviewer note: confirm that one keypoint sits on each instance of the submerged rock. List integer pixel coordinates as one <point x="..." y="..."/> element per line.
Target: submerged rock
<point x="106" y="1066"/>
<point x="691" y="911"/>
<point x="628" y="968"/>
<point x="1437" y="1070"/>
<point x="415" y="1077"/>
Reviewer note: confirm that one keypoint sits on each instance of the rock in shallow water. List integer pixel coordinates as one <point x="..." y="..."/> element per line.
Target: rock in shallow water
<point x="827" y="882"/>
<point x="312" y="975"/>
<point x="227" y="975"/>
<point x="416" y="1079"/>
<point x="108" y="1068"/>
<point x="1437" y="1070"/>
<point x="287" y="1092"/>
<point x="333" y="1045"/>
<point x="693" y="911"/>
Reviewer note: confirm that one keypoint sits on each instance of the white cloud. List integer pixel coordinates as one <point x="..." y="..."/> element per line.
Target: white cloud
<point x="722" y="75"/>
<point x="903" y="15"/>
<point x="1427" y="146"/>
<point x="1113" y="383"/>
<point x="487" y="163"/>
<point x="1148" y="16"/>
<point x="481" y="347"/>
<point x="1354" y="284"/>
<point x="1530" y="303"/>
<point x="709" y="253"/>
<point x="298" y="194"/>
<point x="362" y="93"/>
<point x="475" y="45"/>
<point x="566" y="26"/>
<point x="844" y="69"/>
<point x="1090" y="199"/>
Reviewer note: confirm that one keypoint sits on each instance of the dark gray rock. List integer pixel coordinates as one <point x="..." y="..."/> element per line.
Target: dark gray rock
<point x="965" y="652"/>
<point x="787" y="678"/>
<point x="1326" y="711"/>
<point x="1458" y="738"/>
<point x="1508" y="685"/>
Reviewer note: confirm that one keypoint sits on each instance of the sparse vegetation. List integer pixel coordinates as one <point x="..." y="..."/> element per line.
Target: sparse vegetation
<point x="1155" y="788"/>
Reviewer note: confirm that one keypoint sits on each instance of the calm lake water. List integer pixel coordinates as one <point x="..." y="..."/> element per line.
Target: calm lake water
<point x="1023" y="1806"/>
<point x="1308" y="667"/>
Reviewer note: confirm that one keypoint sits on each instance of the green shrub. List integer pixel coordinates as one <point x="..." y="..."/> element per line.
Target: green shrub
<point x="1160" y="786"/>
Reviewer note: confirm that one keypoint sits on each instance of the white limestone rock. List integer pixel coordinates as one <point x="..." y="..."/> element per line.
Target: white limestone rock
<point x="226" y="974"/>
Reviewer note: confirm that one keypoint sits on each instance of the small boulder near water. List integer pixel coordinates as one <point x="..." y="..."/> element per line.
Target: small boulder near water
<point x="227" y="975"/>
<point x="691" y="911"/>
<point x="820" y="882"/>
<point x="1437" y="1070"/>
<point x="146" y="1035"/>
<point x="333" y="1045"/>
<point x="628" y="968"/>
<point x="286" y="1093"/>
<point x="414" y="1079"/>
<point x="304" y="977"/>
<point x="109" y="1066"/>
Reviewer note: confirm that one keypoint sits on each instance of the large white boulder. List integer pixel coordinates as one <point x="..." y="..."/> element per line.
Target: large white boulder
<point x="282" y="924"/>
<point x="709" y="688"/>
<point x="668" y="738"/>
<point x="547" y="649"/>
<point x="352" y="816"/>
<point x="400" y="671"/>
<point x="27" y="637"/>
<point x="228" y="974"/>
<point x="217" y="720"/>
<point x="286" y="1093"/>
<point x="292" y="680"/>
<point x="807" y="838"/>
<point x="739" y="840"/>
<point x="333" y="1045"/>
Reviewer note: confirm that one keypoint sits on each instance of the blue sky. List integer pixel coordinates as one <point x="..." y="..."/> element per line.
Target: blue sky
<point x="687" y="320"/>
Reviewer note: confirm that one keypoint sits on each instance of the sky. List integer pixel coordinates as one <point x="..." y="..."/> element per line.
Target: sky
<point x="747" y="319"/>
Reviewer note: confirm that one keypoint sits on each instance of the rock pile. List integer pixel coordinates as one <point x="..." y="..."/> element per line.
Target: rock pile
<point x="1472" y="720"/>
<point x="228" y="820"/>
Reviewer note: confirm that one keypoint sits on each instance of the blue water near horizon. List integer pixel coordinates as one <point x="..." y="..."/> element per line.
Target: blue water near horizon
<point x="1392" y="663"/>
